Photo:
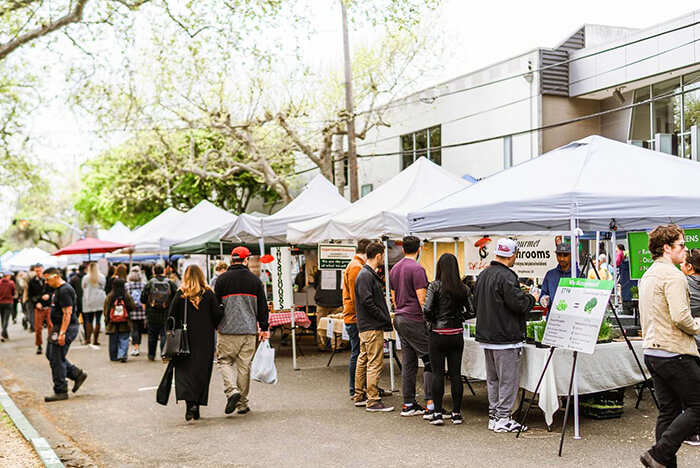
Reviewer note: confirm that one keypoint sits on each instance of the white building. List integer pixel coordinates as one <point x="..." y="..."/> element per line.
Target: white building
<point x="481" y="122"/>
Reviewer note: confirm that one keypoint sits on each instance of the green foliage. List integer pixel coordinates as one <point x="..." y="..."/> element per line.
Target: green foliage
<point x="605" y="333"/>
<point x="138" y="180"/>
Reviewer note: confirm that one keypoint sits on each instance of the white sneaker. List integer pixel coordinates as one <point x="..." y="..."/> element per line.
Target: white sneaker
<point x="135" y="352"/>
<point x="492" y="423"/>
<point x="508" y="425"/>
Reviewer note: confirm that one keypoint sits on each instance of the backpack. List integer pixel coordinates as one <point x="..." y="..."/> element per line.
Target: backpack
<point x="118" y="312"/>
<point x="159" y="297"/>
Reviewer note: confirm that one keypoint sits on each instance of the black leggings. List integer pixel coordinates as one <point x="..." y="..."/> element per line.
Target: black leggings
<point x="450" y="347"/>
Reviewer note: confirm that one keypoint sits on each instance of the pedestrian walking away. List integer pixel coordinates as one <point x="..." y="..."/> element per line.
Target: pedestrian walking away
<point x="7" y="295"/>
<point x="197" y="301"/>
<point x="670" y="350"/>
<point x="118" y="307"/>
<point x="93" y="284"/>
<point x="157" y="295"/>
<point x="408" y="288"/>
<point x="501" y="313"/>
<point x="42" y="309"/>
<point x="373" y="320"/>
<point x="241" y="295"/>
<point x="134" y="288"/>
<point x="447" y="307"/>
<point x="35" y="289"/>
<point x="65" y="330"/>
<point x="349" y="315"/>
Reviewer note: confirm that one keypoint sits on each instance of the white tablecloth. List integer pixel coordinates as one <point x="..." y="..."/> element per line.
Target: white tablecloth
<point x="611" y="366"/>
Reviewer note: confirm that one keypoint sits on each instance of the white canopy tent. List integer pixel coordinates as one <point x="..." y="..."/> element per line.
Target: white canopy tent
<point x="203" y="217"/>
<point x="116" y="233"/>
<point x="24" y="259"/>
<point x="594" y="184"/>
<point x="142" y="237"/>
<point x="594" y="180"/>
<point x="318" y="198"/>
<point x="383" y="211"/>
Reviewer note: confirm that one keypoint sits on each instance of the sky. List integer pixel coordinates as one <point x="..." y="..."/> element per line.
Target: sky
<point x="476" y="33"/>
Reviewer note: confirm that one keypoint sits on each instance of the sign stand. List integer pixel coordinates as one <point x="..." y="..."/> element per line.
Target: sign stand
<point x="568" y="403"/>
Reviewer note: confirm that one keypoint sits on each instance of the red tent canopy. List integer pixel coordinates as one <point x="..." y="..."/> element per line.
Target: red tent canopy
<point x="90" y="245"/>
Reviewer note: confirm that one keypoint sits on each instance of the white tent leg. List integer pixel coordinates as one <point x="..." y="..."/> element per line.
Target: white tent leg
<point x="597" y="249"/>
<point x="574" y="269"/>
<point x="388" y="304"/>
<point x="456" y="247"/>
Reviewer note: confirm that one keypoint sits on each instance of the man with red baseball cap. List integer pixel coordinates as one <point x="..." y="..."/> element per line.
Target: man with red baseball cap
<point x="241" y="295"/>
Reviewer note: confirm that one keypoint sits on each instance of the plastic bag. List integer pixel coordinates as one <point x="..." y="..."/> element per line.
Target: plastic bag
<point x="263" y="367"/>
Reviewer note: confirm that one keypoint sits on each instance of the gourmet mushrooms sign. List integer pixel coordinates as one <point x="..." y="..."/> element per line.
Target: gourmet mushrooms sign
<point x="535" y="255"/>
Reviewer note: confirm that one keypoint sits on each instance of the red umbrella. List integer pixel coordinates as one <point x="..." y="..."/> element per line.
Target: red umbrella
<point x="90" y="245"/>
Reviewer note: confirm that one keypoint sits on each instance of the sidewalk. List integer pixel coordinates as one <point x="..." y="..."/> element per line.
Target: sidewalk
<point x="14" y="450"/>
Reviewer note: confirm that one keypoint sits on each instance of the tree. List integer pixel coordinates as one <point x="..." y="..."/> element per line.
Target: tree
<point x="139" y="179"/>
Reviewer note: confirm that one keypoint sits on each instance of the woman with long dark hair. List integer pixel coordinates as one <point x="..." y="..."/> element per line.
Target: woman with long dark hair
<point x="118" y="307"/>
<point x="193" y="372"/>
<point x="446" y="308"/>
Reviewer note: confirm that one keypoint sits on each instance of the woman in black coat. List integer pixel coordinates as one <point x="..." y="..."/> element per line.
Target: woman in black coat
<point x="193" y="372"/>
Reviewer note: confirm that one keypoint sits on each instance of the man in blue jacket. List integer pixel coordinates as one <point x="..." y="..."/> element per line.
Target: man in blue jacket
<point x="551" y="279"/>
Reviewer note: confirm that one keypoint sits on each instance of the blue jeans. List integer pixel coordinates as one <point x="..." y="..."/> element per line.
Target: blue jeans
<point x="155" y="331"/>
<point x="118" y="345"/>
<point x="354" y="352"/>
<point x="60" y="366"/>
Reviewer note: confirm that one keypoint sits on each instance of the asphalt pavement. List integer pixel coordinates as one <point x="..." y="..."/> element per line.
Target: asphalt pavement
<point x="306" y="419"/>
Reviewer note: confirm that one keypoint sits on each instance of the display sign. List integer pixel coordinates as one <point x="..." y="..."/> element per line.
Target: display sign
<point x="335" y="256"/>
<point x="281" y="272"/>
<point x="536" y="254"/>
<point x="639" y="255"/>
<point x="576" y="313"/>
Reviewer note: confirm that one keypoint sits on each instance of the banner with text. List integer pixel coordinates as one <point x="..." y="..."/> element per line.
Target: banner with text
<point x="577" y="311"/>
<point x="281" y="274"/>
<point x="639" y="255"/>
<point x="536" y="255"/>
<point x="335" y="256"/>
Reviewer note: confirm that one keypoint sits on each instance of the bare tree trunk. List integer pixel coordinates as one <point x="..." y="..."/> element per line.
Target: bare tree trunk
<point x="350" y="111"/>
<point x="339" y="168"/>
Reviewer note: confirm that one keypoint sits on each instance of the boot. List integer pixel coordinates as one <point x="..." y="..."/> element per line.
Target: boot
<point x="56" y="397"/>
<point x="88" y="332"/>
<point x="97" y="334"/>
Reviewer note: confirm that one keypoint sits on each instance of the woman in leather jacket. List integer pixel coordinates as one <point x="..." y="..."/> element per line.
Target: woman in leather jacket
<point x="447" y="306"/>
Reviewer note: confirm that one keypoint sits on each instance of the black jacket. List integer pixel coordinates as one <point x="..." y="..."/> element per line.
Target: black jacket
<point x="370" y="303"/>
<point x="156" y="315"/>
<point x="442" y="310"/>
<point x="501" y="306"/>
<point x="241" y="294"/>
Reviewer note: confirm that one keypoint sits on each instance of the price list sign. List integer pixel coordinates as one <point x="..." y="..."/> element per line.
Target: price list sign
<point x="576" y="313"/>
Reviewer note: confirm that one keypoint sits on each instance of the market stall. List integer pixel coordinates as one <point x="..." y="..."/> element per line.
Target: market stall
<point x="25" y="259"/>
<point x="593" y="184"/>
<point x="382" y="212"/>
<point x="117" y="233"/>
<point x="139" y="237"/>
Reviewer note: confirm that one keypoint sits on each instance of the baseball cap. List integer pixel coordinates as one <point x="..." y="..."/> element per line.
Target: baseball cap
<point x="505" y="247"/>
<point x="563" y="248"/>
<point x="240" y="253"/>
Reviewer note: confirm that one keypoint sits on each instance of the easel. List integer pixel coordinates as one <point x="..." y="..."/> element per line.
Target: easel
<point x="646" y="383"/>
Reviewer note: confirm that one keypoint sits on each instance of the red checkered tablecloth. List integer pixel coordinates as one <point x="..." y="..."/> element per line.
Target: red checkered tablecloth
<point x="285" y="318"/>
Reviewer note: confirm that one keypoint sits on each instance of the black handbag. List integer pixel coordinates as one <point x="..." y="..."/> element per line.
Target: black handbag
<point x="177" y="343"/>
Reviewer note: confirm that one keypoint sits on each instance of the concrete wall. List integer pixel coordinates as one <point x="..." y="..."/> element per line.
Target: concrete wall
<point x="558" y="109"/>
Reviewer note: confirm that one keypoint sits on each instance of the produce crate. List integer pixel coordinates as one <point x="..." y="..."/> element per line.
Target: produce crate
<point x="603" y="405"/>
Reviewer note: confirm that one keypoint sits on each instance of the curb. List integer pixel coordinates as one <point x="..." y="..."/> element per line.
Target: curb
<point x="41" y="446"/>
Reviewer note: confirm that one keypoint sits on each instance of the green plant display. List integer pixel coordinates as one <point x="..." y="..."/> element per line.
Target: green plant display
<point x="530" y="326"/>
<point x="634" y="290"/>
<point x="588" y="308"/>
<point x="562" y="305"/>
<point x="605" y="332"/>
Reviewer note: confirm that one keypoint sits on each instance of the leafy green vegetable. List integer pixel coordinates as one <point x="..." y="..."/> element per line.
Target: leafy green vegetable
<point x="588" y="308"/>
<point x="605" y="332"/>
<point x="562" y="305"/>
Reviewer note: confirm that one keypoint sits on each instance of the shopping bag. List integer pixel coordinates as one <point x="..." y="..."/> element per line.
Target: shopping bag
<point x="263" y="367"/>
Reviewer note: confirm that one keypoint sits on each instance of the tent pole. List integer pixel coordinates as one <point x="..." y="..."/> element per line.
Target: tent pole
<point x="388" y="304"/>
<point x="456" y="247"/>
<point x="434" y="259"/>
<point x="574" y="269"/>
<point x="221" y="249"/>
<point x="293" y="324"/>
<point x="597" y="248"/>
<point x="611" y="258"/>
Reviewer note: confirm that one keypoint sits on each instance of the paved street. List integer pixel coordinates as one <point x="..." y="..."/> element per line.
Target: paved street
<point x="304" y="420"/>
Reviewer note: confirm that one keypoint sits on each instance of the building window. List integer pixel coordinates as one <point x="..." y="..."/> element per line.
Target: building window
<point x="426" y="142"/>
<point x="366" y="188"/>
<point x="665" y="123"/>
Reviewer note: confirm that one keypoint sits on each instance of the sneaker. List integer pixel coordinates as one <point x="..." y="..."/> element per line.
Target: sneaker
<point x="38" y="350"/>
<point x="79" y="381"/>
<point x="56" y="397"/>
<point x="232" y="402"/>
<point x="693" y="440"/>
<point x="379" y="407"/>
<point x="245" y="410"/>
<point x="135" y="352"/>
<point x="361" y="402"/>
<point x="414" y="410"/>
<point x="508" y="425"/>
<point x="436" y="419"/>
<point x="492" y="423"/>
<point x="151" y="358"/>
<point x="428" y="414"/>
<point x="456" y="418"/>
<point x="649" y="461"/>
